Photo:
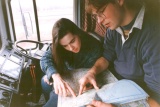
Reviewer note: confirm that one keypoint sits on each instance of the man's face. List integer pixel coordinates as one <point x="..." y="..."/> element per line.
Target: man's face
<point x="110" y="16"/>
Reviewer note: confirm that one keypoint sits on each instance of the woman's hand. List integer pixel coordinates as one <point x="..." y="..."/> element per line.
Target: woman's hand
<point x="89" y="78"/>
<point x="61" y="87"/>
<point x="96" y="103"/>
<point x="46" y="80"/>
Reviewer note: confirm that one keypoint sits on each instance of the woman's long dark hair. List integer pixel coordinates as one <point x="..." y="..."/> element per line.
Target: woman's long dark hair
<point x="60" y="29"/>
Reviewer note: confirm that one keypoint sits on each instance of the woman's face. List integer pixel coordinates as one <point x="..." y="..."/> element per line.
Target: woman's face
<point x="71" y="42"/>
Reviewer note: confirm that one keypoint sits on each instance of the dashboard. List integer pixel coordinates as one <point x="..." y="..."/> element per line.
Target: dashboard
<point x="11" y="64"/>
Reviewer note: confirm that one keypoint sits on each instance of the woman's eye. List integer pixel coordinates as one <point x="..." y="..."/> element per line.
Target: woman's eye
<point x="64" y="46"/>
<point x="72" y="40"/>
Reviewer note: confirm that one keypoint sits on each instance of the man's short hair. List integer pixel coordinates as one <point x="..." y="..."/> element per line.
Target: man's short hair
<point x="97" y="4"/>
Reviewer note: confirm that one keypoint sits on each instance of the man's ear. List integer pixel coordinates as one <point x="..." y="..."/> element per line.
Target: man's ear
<point x="120" y="2"/>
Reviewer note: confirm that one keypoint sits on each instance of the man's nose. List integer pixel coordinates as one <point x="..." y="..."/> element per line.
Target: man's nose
<point x="100" y="20"/>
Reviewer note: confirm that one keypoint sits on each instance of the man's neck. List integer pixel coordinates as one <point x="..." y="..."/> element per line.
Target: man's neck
<point x="129" y="15"/>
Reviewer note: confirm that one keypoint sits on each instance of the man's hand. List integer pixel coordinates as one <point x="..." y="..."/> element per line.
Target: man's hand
<point x="100" y="65"/>
<point x="153" y="103"/>
<point x="89" y="78"/>
<point x="61" y="87"/>
<point x="96" y="103"/>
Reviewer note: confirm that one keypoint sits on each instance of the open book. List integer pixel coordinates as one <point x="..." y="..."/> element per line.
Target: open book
<point x="121" y="93"/>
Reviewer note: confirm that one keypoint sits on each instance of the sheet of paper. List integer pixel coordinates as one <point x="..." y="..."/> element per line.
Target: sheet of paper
<point x="81" y="100"/>
<point x="105" y="77"/>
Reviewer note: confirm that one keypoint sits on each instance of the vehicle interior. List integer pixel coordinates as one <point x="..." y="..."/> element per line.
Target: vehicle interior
<point x="25" y="34"/>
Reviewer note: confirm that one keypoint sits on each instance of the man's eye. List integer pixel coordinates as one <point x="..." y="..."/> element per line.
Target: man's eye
<point x="100" y="12"/>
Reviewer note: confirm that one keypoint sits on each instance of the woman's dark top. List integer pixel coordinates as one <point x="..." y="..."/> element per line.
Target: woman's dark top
<point x="91" y="50"/>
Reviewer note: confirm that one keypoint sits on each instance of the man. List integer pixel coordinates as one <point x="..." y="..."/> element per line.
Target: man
<point x="131" y="44"/>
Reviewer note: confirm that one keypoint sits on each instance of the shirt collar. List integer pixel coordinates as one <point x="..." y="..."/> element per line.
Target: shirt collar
<point x="138" y="22"/>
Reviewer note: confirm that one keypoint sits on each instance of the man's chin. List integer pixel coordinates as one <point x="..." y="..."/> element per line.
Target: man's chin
<point x="113" y="28"/>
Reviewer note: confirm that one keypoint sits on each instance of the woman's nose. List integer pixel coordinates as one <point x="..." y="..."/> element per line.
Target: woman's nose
<point x="70" y="47"/>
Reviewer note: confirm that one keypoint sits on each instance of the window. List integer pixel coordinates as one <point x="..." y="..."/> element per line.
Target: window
<point x="48" y="11"/>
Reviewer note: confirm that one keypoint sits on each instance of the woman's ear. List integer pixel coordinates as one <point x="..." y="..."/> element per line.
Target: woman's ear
<point x="120" y="2"/>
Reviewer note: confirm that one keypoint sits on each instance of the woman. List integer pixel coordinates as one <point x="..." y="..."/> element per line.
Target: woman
<point x="72" y="48"/>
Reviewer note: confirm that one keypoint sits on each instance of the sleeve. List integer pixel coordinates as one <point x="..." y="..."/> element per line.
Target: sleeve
<point x="95" y="52"/>
<point x="151" y="63"/>
<point x="47" y="64"/>
<point x="109" y="47"/>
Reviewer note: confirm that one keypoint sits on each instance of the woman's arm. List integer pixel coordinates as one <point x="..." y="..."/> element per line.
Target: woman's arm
<point x="48" y="67"/>
<point x="47" y="64"/>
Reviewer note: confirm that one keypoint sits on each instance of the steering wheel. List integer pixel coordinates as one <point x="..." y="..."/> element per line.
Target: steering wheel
<point x="40" y="48"/>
